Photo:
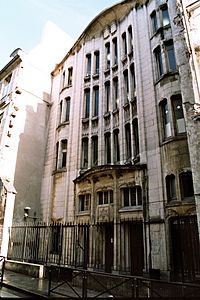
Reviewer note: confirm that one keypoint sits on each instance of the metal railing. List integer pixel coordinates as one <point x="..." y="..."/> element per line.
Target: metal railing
<point x="78" y="283"/>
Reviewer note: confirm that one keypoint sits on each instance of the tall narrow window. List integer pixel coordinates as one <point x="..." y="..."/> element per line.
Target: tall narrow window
<point x="63" y="79"/>
<point x="128" y="140"/>
<point x="178" y="114"/>
<point x="84" y="163"/>
<point x="63" y="153"/>
<point x="96" y="101"/>
<point x="170" y="55"/>
<point x="67" y="109"/>
<point x="7" y="85"/>
<point x="124" y="44"/>
<point x="135" y="138"/>
<point x="115" y="52"/>
<point x="133" y="82"/>
<point x="97" y="62"/>
<point x="159" y="62"/>
<point x="88" y="64"/>
<point x="60" y="111"/>
<point x="108" y="148"/>
<point x="107" y="46"/>
<point x="126" y="86"/>
<point x="166" y="119"/>
<point x="171" y="187"/>
<point x="130" y="39"/>
<point x="116" y="146"/>
<point x="95" y="150"/>
<point x="115" y="93"/>
<point x="165" y="16"/>
<point x="154" y="22"/>
<point x="87" y="103"/>
<point x="107" y="96"/>
<point x="186" y="185"/>
<point x="70" y="72"/>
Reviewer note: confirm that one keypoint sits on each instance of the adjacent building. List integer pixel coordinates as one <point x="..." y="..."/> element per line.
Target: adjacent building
<point x="25" y="85"/>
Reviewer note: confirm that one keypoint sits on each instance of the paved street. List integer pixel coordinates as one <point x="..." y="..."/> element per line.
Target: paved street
<point x="8" y="293"/>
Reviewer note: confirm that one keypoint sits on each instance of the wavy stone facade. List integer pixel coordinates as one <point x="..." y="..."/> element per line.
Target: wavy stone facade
<point x="117" y="149"/>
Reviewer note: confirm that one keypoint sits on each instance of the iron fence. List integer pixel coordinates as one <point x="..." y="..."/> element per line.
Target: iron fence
<point x="79" y="283"/>
<point x="104" y="247"/>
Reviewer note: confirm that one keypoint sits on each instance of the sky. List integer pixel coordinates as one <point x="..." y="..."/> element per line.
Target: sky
<point x="22" y="21"/>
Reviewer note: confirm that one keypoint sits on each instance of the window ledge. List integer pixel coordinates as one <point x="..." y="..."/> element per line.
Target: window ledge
<point x="115" y="67"/>
<point x="124" y="59"/>
<point x="107" y="72"/>
<point x="126" y="105"/>
<point x="115" y="111"/>
<point x="83" y="213"/>
<point x="63" y="124"/>
<point x="165" y="75"/>
<point x="180" y="136"/>
<point x="95" y="118"/>
<point x="85" y="120"/>
<point x="95" y="76"/>
<point x="106" y="115"/>
<point x="61" y="170"/>
<point x="130" y="208"/>
<point x="87" y="78"/>
<point x="176" y="202"/>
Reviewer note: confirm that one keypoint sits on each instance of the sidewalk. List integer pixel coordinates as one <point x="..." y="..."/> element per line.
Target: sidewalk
<point x="38" y="288"/>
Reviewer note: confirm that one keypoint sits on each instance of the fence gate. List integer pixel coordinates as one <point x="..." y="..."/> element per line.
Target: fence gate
<point x="185" y="248"/>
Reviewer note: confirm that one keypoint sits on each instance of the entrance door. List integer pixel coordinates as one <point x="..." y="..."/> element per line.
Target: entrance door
<point x="108" y="247"/>
<point x="185" y="248"/>
<point x="136" y="248"/>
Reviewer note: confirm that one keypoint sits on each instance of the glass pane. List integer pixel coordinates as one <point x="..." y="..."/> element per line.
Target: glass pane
<point x="126" y="196"/>
<point x="165" y="16"/>
<point x="133" y="196"/>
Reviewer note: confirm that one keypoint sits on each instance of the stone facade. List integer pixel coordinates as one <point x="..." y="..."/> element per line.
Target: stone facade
<point x="118" y="134"/>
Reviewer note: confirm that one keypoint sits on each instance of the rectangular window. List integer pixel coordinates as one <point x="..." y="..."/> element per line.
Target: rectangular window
<point x="70" y="72"/>
<point x="131" y="196"/>
<point x="63" y="79"/>
<point x="128" y="141"/>
<point x="63" y="153"/>
<point x="107" y="46"/>
<point x="159" y="62"/>
<point x="165" y="16"/>
<point x="130" y="39"/>
<point x="87" y="104"/>
<point x="84" y="152"/>
<point x="97" y="62"/>
<point x="135" y="137"/>
<point x="154" y="22"/>
<point x="108" y="148"/>
<point x="96" y="101"/>
<point x="170" y="187"/>
<point x="116" y="146"/>
<point x="115" y="93"/>
<point x="60" y="111"/>
<point x="67" y="109"/>
<point x="170" y="55"/>
<point x="124" y="44"/>
<point x="95" y="150"/>
<point x="7" y="85"/>
<point x="105" y="197"/>
<point x="186" y="185"/>
<point x="115" y="52"/>
<point x="84" y="202"/>
<point x="126" y="86"/>
<point x="107" y="96"/>
<point x="88" y="64"/>
<point x="166" y="119"/>
<point x="178" y="114"/>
